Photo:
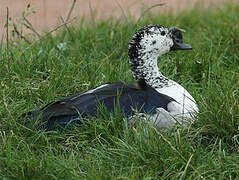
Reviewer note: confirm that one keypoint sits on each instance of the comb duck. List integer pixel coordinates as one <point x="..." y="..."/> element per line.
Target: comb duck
<point x="162" y="100"/>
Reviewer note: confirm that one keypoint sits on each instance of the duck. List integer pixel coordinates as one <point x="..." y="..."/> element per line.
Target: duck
<point x="153" y="96"/>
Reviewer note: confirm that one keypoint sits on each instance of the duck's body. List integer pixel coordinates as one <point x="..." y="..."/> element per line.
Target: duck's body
<point x="130" y="99"/>
<point x="165" y="101"/>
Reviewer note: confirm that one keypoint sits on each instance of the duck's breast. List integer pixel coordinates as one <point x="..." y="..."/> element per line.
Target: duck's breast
<point x="182" y="96"/>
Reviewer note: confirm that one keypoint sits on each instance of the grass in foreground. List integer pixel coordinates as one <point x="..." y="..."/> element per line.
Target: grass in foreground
<point x="84" y="57"/>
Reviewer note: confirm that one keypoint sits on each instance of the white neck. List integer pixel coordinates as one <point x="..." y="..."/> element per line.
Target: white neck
<point x="146" y="67"/>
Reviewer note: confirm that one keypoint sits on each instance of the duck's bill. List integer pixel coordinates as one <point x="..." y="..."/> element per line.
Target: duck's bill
<point x="178" y="40"/>
<point x="180" y="46"/>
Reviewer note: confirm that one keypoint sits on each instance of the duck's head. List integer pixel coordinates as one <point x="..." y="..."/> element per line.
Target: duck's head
<point x="156" y="40"/>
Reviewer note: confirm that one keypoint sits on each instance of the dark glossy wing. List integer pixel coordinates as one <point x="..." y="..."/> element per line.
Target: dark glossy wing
<point x="83" y="105"/>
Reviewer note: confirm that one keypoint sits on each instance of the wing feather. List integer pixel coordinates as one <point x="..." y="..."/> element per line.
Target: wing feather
<point x="85" y="104"/>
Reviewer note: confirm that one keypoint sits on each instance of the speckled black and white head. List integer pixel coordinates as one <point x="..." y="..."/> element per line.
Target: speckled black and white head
<point x="150" y="39"/>
<point x="147" y="45"/>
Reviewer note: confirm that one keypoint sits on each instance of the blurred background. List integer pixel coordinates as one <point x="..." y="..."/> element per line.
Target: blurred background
<point x="45" y="14"/>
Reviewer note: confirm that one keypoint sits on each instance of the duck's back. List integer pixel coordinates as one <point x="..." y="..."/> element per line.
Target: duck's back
<point x="77" y="107"/>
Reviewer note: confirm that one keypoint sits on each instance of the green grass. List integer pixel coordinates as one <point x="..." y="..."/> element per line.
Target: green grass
<point x="85" y="56"/>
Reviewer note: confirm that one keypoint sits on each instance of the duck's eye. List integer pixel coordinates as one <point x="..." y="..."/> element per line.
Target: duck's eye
<point x="154" y="42"/>
<point x="163" y="33"/>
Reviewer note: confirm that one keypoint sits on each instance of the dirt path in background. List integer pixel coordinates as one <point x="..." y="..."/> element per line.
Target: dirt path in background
<point x="48" y="11"/>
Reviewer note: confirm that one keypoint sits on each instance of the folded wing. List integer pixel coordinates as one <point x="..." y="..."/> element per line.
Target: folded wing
<point x="76" y="108"/>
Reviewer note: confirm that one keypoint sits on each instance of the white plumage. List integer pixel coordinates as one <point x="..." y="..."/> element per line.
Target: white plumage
<point x="148" y="44"/>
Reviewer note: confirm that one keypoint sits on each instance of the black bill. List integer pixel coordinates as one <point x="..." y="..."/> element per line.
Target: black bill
<point x="178" y="40"/>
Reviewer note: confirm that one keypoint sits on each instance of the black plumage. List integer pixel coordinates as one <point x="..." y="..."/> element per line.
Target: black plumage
<point x="139" y="97"/>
